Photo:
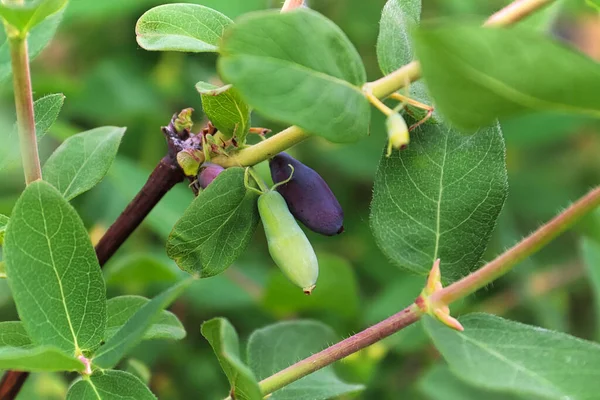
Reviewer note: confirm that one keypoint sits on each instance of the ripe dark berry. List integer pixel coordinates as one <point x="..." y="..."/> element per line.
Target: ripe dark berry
<point x="307" y="195"/>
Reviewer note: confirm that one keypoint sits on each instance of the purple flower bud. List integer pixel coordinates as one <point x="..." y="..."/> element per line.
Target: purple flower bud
<point x="307" y="195"/>
<point x="208" y="174"/>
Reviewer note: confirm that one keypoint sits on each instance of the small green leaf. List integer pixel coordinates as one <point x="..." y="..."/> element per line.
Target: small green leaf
<point x="337" y="291"/>
<point x="440" y="198"/>
<point x="225" y="343"/>
<point x="278" y="346"/>
<point x="37" y="40"/>
<point x="591" y="256"/>
<point x="138" y="270"/>
<point x="298" y="68"/>
<point x="440" y="384"/>
<point x="110" y="385"/>
<point x="13" y="334"/>
<point x="33" y="12"/>
<point x="3" y="223"/>
<point x="181" y="27"/>
<point x="496" y="73"/>
<point x="46" y="110"/>
<point x="217" y="227"/>
<point x="136" y="327"/>
<point x="394" y="47"/>
<point x="139" y="369"/>
<point x="82" y="160"/>
<point x="53" y="272"/>
<point x="35" y="359"/>
<point x="165" y="325"/>
<point x="508" y="356"/>
<point x="226" y="110"/>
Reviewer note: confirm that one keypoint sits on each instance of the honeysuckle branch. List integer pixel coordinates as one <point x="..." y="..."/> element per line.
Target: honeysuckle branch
<point x="462" y="288"/>
<point x="381" y="89"/>
<point x="24" y="106"/>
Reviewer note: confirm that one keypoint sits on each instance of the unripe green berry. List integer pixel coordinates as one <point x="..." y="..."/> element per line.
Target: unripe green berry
<point x="288" y="245"/>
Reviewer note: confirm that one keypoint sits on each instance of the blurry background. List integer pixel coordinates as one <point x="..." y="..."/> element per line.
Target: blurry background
<point x="108" y="80"/>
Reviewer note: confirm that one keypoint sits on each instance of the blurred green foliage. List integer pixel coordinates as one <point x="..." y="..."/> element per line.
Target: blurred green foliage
<point x="108" y="80"/>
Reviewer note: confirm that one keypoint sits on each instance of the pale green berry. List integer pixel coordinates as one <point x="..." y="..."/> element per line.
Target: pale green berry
<point x="288" y="245"/>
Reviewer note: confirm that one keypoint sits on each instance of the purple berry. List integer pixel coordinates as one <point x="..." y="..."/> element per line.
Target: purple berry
<point x="208" y="174"/>
<point x="307" y="195"/>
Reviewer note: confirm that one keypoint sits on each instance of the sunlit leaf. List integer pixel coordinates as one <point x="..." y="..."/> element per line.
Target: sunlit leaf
<point x="110" y="385"/>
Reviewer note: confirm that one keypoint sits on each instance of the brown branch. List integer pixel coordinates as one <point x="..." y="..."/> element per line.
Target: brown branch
<point x="11" y="384"/>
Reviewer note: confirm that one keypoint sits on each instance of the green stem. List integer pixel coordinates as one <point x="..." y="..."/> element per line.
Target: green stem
<point x="24" y="107"/>
<point x="525" y="248"/>
<point x="263" y="150"/>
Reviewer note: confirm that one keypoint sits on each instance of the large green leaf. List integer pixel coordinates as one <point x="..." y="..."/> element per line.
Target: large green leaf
<point x="278" y="346"/>
<point x="181" y="27"/>
<point x="591" y="256"/>
<point x="504" y="355"/>
<point x="217" y="227"/>
<point x="110" y="385"/>
<point x="133" y="331"/>
<point x="225" y="343"/>
<point x="13" y="334"/>
<point x="226" y="110"/>
<point x="337" y="291"/>
<point x="46" y="110"/>
<point x="440" y="384"/>
<point x="53" y="272"/>
<point x="43" y="358"/>
<point x="440" y="198"/>
<point x="24" y="17"/>
<point x="394" y="47"/>
<point x="479" y="74"/>
<point x="121" y="309"/>
<point x="38" y="38"/>
<point x="82" y="160"/>
<point x="298" y="68"/>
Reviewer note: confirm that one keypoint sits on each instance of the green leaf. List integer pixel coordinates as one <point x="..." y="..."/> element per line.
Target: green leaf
<point x="498" y="354"/>
<point x="139" y="369"/>
<point x="440" y="384"/>
<point x="37" y="40"/>
<point x="181" y="27"/>
<point x="338" y="291"/>
<point x="53" y="272"/>
<point x="35" y="359"/>
<point x="13" y="334"/>
<point x="136" y="327"/>
<point x="217" y="227"/>
<point x="278" y="346"/>
<point x="165" y="325"/>
<point x="226" y="110"/>
<point x="46" y="110"/>
<point x="440" y="198"/>
<point x="496" y="73"/>
<point x="394" y="47"/>
<point x="298" y="68"/>
<point x="3" y="223"/>
<point x="139" y="270"/>
<point x="82" y="160"/>
<point x="110" y="385"/>
<point x="591" y="256"/>
<point x="225" y="343"/>
<point x="33" y="12"/>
